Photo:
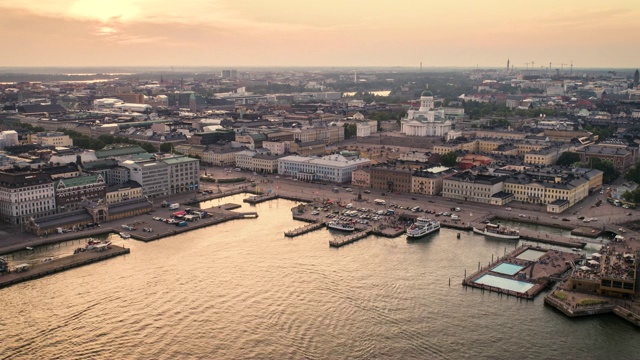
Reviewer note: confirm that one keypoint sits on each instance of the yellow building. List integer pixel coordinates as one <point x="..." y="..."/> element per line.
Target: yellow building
<point x="526" y="189"/>
<point x="547" y="156"/>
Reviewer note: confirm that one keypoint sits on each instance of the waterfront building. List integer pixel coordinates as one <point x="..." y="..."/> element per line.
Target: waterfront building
<point x="466" y="186"/>
<point x="25" y="194"/>
<point x="266" y="163"/>
<point x="608" y="272"/>
<point x="391" y="178"/>
<point x="152" y="175"/>
<point x="558" y="193"/>
<point x="123" y="192"/>
<point x="333" y="168"/>
<point x="70" y="192"/>
<point x="429" y="181"/>
<point x="244" y="159"/>
<point x="184" y="173"/>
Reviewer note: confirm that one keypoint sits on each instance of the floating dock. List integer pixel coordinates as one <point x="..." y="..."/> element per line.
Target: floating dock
<point x="304" y="229"/>
<point x="349" y="239"/>
<point x="522" y="273"/>
<point x="61" y="264"/>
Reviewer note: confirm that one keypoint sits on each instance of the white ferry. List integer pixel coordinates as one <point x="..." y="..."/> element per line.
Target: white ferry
<point x="342" y="226"/>
<point x="421" y="227"/>
<point x="498" y="231"/>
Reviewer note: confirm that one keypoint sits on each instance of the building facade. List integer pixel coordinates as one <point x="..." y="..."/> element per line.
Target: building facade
<point x="24" y="195"/>
<point x="468" y="187"/>
<point x="333" y="168"/>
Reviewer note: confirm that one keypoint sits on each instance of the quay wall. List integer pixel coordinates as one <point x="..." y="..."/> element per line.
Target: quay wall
<point x="65" y="263"/>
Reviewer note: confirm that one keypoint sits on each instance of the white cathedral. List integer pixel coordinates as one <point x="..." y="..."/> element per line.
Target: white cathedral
<point x="426" y="121"/>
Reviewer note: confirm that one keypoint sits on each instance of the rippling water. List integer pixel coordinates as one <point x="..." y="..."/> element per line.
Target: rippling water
<point x="242" y="290"/>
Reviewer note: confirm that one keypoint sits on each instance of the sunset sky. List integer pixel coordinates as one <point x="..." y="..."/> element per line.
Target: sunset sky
<point x="461" y="33"/>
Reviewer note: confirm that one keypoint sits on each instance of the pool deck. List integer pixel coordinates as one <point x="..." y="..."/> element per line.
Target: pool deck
<point x="540" y="273"/>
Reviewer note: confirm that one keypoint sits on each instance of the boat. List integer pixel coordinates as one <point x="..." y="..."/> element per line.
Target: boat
<point x="342" y="226"/>
<point x="421" y="227"/>
<point x="29" y="248"/>
<point x="124" y="235"/>
<point x="498" y="231"/>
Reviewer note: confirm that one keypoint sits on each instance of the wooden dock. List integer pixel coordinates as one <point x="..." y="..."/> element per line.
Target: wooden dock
<point x="304" y="229"/>
<point x="62" y="264"/>
<point x="349" y="239"/>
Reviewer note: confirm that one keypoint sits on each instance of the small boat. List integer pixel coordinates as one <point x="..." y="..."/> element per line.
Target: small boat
<point x="124" y="235"/>
<point x="498" y="231"/>
<point x="342" y="226"/>
<point x="421" y="227"/>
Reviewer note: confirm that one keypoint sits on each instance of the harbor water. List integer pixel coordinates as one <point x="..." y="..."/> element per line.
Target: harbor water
<point x="242" y="290"/>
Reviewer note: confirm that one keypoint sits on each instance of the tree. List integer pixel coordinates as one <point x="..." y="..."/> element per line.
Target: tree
<point x="166" y="147"/>
<point x="350" y="130"/>
<point x="449" y="159"/>
<point x="606" y="166"/>
<point x="633" y="174"/>
<point x="568" y="158"/>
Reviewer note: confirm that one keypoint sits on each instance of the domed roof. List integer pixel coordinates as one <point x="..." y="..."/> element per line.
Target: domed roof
<point x="426" y="93"/>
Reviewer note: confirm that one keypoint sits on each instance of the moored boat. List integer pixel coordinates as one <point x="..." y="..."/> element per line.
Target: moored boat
<point x="342" y="226"/>
<point x="498" y="231"/>
<point x="422" y="227"/>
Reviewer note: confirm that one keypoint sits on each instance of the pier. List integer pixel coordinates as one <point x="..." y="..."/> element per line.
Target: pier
<point x="256" y="199"/>
<point x="304" y="229"/>
<point x="338" y="242"/>
<point x="61" y="264"/>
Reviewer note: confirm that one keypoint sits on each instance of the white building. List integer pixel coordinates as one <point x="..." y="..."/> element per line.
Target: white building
<point x="184" y="173"/>
<point x="365" y="129"/>
<point x="24" y="195"/>
<point x="8" y="138"/>
<point x="426" y="121"/>
<point x="244" y="159"/>
<point x="334" y="168"/>
<point x="152" y="175"/>
<point x="276" y="147"/>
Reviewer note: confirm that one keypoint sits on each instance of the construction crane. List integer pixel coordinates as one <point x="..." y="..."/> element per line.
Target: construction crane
<point x="571" y="68"/>
<point x="562" y="66"/>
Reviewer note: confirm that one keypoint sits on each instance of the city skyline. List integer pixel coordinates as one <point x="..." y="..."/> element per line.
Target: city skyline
<point x="331" y="33"/>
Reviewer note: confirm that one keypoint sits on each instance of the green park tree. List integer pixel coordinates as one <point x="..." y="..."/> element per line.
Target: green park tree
<point x="449" y="159"/>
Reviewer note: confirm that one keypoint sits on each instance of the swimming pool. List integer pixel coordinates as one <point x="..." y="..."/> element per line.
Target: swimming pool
<point x="531" y="255"/>
<point x="502" y="283"/>
<point x="507" y="269"/>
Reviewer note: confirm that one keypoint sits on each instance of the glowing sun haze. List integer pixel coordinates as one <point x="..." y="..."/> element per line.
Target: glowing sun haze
<point x="319" y="33"/>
